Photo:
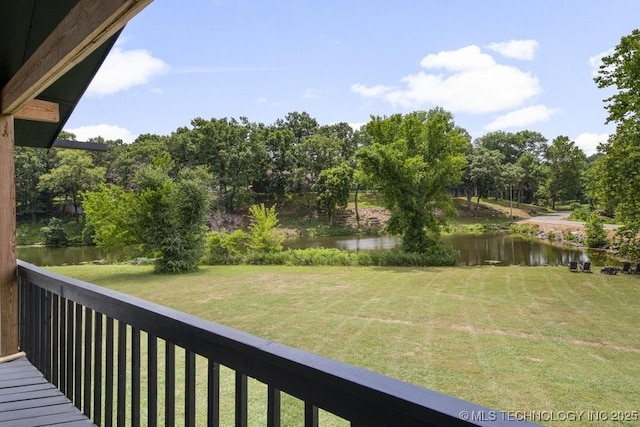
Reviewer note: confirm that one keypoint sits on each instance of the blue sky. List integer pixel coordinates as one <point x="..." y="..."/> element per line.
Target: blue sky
<point x="495" y="64"/>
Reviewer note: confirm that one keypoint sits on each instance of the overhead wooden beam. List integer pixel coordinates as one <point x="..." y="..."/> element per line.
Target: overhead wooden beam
<point x="8" y="264"/>
<point x="79" y="145"/>
<point x="39" y="111"/>
<point x="86" y="27"/>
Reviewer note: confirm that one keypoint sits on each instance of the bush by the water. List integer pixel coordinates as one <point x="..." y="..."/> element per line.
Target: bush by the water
<point x="437" y="256"/>
<point x="526" y="229"/>
<point x="54" y="233"/>
<point x="594" y="229"/>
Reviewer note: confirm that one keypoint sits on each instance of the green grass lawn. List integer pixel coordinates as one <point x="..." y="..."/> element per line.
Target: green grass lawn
<point x="510" y="338"/>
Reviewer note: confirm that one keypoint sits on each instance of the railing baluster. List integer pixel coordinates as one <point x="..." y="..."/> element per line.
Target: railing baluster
<point x="77" y="364"/>
<point x="62" y="362"/>
<point x="88" y="341"/>
<point x="310" y="415"/>
<point x="241" y="399"/>
<point x="273" y="407"/>
<point x="213" y="394"/>
<point x="55" y="340"/>
<point x="26" y="317"/>
<point x="190" y="388"/>
<point x="40" y="330"/>
<point x="152" y="379"/>
<point x="97" y="370"/>
<point x="108" y="367"/>
<point x="122" y="373"/>
<point x="70" y="335"/>
<point x="135" y="377"/>
<point x="48" y="331"/>
<point x="22" y="312"/>
<point x="34" y="322"/>
<point x="170" y="385"/>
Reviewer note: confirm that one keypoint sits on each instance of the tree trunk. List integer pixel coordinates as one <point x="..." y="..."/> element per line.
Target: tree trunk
<point x="355" y="201"/>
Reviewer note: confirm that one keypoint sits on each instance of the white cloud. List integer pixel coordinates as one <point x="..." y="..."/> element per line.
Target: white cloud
<point x="595" y="61"/>
<point x="311" y="93"/>
<point x="124" y="69"/>
<point x="370" y="92"/>
<point x="467" y="58"/>
<point x="517" y="49"/>
<point x="522" y="117"/>
<point x="588" y="142"/>
<point x="108" y="132"/>
<point x="472" y="83"/>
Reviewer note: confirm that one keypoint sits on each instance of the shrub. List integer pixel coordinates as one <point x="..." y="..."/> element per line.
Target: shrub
<point x="594" y="229"/>
<point x="579" y="212"/>
<point x="264" y="235"/>
<point x="436" y="256"/>
<point x="526" y="229"/>
<point x="626" y="239"/>
<point x="223" y="248"/>
<point x="54" y="233"/>
<point x="551" y="235"/>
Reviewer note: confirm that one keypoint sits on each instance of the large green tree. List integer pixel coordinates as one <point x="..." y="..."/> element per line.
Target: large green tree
<point x="232" y="153"/>
<point x="412" y="161"/>
<point x="482" y="176"/>
<point x="74" y="173"/>
<point x="514" y="145"/>
<point x="615" y="177"/>
<point x="566" y="162"/>
<point x="332" y="189"/>
<point x="167" y="214"/>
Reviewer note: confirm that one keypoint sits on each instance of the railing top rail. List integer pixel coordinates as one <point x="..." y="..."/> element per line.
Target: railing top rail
<point x="356" y="394"/>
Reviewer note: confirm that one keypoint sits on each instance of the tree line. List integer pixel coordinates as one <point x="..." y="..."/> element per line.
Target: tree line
<point x="294" y="156"/>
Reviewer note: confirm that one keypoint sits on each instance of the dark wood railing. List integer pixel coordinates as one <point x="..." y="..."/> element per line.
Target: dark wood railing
<point x="125" y="361"/>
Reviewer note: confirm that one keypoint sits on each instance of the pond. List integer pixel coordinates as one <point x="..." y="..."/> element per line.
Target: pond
<point x="475" y="249"/>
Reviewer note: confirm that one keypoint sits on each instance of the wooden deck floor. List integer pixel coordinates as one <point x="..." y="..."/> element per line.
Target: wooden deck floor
<point x="27" y="399"/>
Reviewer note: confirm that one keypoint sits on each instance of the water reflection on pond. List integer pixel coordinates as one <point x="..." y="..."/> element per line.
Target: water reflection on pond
<point x="475" y="249"/>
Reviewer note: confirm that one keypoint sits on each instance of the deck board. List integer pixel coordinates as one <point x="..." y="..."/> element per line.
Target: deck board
<point x="27" y="399"/>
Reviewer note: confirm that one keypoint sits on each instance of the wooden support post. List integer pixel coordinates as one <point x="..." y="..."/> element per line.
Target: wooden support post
<point x="8" y="265"/>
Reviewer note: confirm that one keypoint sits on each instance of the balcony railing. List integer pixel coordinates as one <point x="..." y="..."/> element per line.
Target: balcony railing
<point x="125" y="361"/>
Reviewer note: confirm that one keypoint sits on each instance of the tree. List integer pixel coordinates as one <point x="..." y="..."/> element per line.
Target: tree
<point x="263" y="229"/>
<point x="230" y="151"/>
<point x="514" y="145"/>
<point x="31" y="201"/>
<point x="483" y="174"/>
<point x="74" y="173"/>
<point x="302" y="125"/>
<point x="332" y="189"/>
<point x="132" y="157"/>
<point x="533" y="174"/>
<point x="511" y="177"/>
<point x="621" y="69"/>
<point x="167" y="214"/>
<point x="171" y="215"/>
<point x="412" y="161"/>
<point x="566" y="163"/>
<point x="616" y="173"/>
<point x="313" y="155"/>
<point x="110" y="213"/>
